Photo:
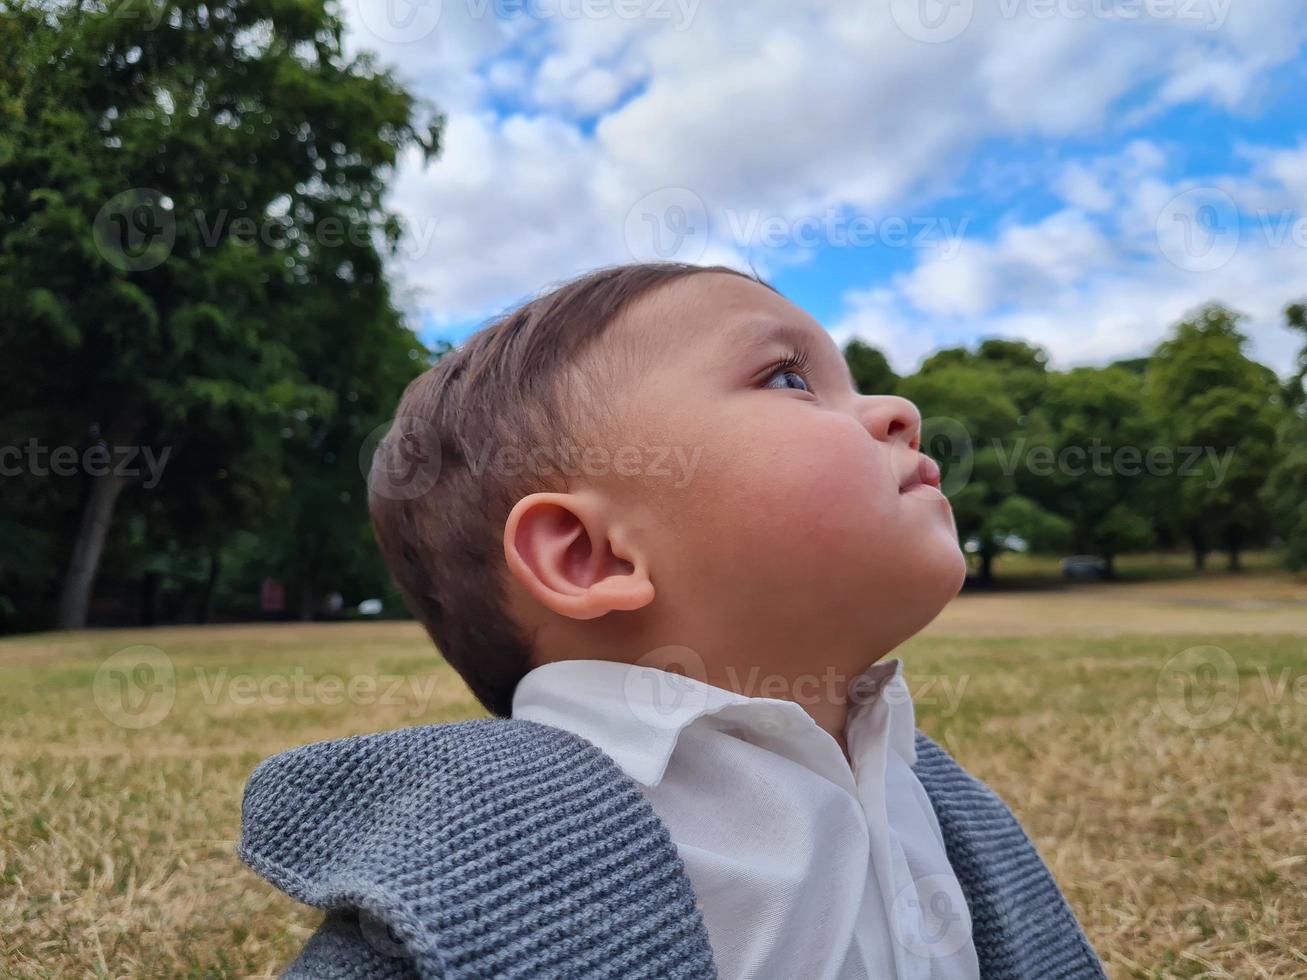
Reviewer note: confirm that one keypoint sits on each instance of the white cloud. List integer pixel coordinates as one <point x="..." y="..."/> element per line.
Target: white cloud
<point x="1091" y="291"/>
<point x="791" y="109"/>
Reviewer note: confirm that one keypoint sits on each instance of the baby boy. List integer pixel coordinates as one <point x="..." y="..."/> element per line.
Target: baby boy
<point x="654" y="526"/>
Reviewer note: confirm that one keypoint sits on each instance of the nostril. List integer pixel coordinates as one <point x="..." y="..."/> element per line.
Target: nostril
<point x="898" y="427"/>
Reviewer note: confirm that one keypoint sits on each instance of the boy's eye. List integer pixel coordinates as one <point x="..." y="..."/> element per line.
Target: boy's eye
<point x="787" y="378"/>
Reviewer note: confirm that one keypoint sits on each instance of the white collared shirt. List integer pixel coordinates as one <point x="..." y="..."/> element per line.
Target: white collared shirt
<point x="802" y="865"/>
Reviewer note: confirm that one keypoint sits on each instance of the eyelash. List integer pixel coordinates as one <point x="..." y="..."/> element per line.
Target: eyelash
<point x="795" y="360"/>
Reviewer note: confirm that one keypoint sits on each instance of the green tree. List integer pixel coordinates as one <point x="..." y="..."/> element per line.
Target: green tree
<point x="1295" y="318"/>
<point x="870" y="369"/>
<point x="1097" y="467"/>
<point x="1285" y="494"/>
<point x="178" y="180"/>
<point x="977" y="423"/>
<point x="1218" y="410"/>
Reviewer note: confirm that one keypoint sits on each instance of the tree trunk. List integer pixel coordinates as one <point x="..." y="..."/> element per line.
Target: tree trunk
<point x="1200" y="556"/>
<point x="1109" y="566"/>
<point x="1234" y="559"/>
<point x="150" y="598"/>
<point x="97" y="515"/>
<point x="986" y="567"/>
<point x="211" y="586"/>
<point x="89" y="546"/>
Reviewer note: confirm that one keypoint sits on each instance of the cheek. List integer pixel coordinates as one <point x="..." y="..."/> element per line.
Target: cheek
<point x="817" y="486"/>
<point x="790" y="500"/>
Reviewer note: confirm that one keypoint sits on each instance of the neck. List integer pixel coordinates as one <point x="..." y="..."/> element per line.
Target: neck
<point x="832" y="717"/>
<point x="827" y="696"/>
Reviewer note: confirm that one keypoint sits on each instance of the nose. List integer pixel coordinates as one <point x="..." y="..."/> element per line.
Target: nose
<point x="890" y="417"/>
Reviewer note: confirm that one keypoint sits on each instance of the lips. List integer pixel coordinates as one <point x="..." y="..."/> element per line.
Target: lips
<point x="924" y="473"/>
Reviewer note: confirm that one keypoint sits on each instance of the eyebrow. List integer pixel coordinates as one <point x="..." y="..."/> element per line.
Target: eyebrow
<point x="754" y="335"/>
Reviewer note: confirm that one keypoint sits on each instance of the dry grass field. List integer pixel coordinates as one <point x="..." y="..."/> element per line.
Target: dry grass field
<point x="1151" y="736"/>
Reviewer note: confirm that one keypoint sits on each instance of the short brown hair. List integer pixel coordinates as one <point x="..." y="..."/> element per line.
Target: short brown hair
<point x="437" y="514"/>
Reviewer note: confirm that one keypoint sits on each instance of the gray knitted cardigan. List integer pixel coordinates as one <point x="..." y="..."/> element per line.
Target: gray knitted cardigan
<point x="505" y="848"/>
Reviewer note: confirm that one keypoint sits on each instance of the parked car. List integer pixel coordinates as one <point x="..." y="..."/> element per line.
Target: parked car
<point x="1084" y="568"/>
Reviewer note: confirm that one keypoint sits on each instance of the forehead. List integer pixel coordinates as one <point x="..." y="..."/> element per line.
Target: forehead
<point x="715" y="312"/>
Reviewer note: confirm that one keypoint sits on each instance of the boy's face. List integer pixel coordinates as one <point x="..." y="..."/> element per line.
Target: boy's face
<point x="810" y="526"/>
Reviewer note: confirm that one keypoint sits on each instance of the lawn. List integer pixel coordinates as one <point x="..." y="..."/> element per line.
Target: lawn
<point x="1152" y="736"/>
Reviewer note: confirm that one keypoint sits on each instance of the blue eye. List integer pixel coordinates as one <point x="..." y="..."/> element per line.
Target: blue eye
<point x="789" y="378"/>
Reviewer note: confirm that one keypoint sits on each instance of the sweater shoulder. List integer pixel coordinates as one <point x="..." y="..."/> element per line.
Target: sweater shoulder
<point x="306" y="804"/>
<point x="495" y="847"/>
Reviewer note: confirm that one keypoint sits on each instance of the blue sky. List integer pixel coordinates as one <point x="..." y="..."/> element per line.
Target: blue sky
<point x="919" y="173"/>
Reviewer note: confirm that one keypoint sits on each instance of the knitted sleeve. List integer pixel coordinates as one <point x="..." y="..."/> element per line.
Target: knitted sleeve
<point x="344" y="949"/>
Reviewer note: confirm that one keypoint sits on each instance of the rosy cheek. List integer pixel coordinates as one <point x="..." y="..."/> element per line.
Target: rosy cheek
<point x="826" y="480"/>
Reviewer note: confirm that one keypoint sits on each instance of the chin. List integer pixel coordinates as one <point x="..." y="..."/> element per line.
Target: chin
<point x="938" y="580"/>
<point x="955" y="570"/>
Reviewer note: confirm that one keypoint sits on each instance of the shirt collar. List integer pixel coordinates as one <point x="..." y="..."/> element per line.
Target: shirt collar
<point x="633" y="712"/>
<point x="882" y="687"/>
<point x="636" y="713"/>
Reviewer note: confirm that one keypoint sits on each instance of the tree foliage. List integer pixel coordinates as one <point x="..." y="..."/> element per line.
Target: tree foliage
<point x="1194" y="443"/>
<point x="191" y="243"/>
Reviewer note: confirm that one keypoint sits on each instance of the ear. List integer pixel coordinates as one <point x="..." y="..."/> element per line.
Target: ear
<point x="572" y="559"/>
